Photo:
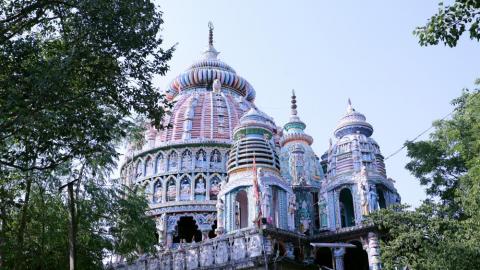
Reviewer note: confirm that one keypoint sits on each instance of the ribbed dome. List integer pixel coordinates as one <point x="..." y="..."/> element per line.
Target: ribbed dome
<point x="202" y="73"/>
<point x="352" y="123"/>
<point x="253" y="141"/>
<point x="204" y="115"/>
<point x="209" y="100"/>
<point x="354" y="147"/>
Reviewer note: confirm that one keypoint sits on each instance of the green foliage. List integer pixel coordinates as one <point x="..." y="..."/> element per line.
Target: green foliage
<point x="74" y="77"/>
<point x="111" y="219"/>
<point x="443" y="232"/>
<point x="450" y="23"/>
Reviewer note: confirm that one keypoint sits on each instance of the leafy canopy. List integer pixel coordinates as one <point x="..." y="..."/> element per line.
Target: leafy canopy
<point x="443" y="232"/>
<point x="74" y="74"/>
<point x="450" y="23"/>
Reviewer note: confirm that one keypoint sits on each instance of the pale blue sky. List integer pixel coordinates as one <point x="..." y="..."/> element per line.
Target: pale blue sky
<point x="329" y="51"/>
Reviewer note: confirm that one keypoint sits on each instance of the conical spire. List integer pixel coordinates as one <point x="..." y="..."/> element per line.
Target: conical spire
<point x="294" y="113"/>
<point x="294" y="129"/>
<point x="211" y="53"/>
<point x="210" y="36"/>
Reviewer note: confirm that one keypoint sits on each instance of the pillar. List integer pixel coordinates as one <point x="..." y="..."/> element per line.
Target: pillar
<point x="161" y="227"/>
<point x="374" y="261"/>
<point x="338" y="254"/>
<point x="169" y="239"/>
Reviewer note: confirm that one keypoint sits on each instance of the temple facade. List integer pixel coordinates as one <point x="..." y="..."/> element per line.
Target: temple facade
<point x="228" y="188"/>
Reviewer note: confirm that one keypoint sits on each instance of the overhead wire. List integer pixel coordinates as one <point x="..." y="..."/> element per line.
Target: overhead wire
<point x="423" y="132"/>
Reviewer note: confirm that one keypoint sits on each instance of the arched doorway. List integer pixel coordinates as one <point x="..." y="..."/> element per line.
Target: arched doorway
<point x="323" y="257"/>
<point x="347" y="213"/>
<point x="356" y="258"/>
<point x="241" y="210"/>
<point x="187" y="230"/>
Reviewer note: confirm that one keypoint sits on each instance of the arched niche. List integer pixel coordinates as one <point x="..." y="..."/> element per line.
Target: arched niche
<point x="171" y="190"/>
<point x="200" y="188"/>
<point x="138" y="170"/>
<point x="185" y="188"/>
<point x="157" y="191"/>
<point x="159" y="163"/>
<point x="214" y="187"/>
<point x="200" y="159"/>
<point x="215" y="159"/>
<point x="172" y="161"/>
<point x="241" y="209"/>
<point x="347" y="213"/>
<point x="149" y="166"/>
<point x="186" y="160"/>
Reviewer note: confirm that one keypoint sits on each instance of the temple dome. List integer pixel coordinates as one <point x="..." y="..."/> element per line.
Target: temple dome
<point x="353" y="122"/>
<point x="203" y="72"/>
<point x="253" y="140"/>
<point x="354" y="147"/>
<point x="209" y="100"/>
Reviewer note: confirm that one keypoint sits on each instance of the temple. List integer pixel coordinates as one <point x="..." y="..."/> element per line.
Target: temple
<point x="229" y="189"/>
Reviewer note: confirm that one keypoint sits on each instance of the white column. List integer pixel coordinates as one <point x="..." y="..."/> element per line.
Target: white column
<point x="338" y="254"/>
<point x="374" y="260"/>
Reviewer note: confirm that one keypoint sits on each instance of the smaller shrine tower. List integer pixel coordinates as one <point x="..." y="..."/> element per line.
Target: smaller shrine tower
<point x="301" y="168"/>
<point x="357" y="182"/>
<point x="255" y="193"/>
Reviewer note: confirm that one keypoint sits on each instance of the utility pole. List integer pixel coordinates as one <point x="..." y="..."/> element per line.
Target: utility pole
<point x="72" y="226"/>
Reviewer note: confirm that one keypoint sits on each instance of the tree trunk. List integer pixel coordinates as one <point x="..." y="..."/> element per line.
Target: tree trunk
<point x="23" y="221"/>
<point x="72" y="229"/>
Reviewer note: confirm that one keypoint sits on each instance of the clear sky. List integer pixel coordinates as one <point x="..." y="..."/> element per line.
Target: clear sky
<point x="329" y="51"/>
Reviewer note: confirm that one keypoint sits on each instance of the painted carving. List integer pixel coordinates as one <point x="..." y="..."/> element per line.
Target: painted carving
<point x="171" y="190"/>
<point x="185" y="189"/>
<point x="255" y="246"/>
<point x="206" y="255"/>
<point x="200" y="189"/>
<point x="221" y="253"/>
<point x="373" y="197"/>
<point x="157" y="191"/>
<point x="238" y="251"/>
<point x="149" y="166"/>
<point x="178" y="261"/>
<point x="214" y="188"/>
<point x="192" y="258"/>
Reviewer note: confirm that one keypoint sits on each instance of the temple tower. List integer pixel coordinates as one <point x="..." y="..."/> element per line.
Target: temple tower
<point x="357" y="182"/>
<point x="254" y="193"/>
<point x="301" y="168"/>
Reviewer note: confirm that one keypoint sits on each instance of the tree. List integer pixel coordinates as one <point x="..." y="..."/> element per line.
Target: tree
<point x="72" y="74"/>
<point x="442" y="233"/>
<point x="450" y="23"/>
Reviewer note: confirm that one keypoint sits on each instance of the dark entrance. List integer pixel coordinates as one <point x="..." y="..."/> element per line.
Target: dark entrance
<point x="323" y="257"/>
<point x="347" y="213"/>
<point x="356" y="258"/>
<point x="212" y="234"/>
<point x="381" y="198"/>
<point x="187" y="230"/>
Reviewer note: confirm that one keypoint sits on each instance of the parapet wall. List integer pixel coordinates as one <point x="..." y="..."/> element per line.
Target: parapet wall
<point x="242" y="249"/>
